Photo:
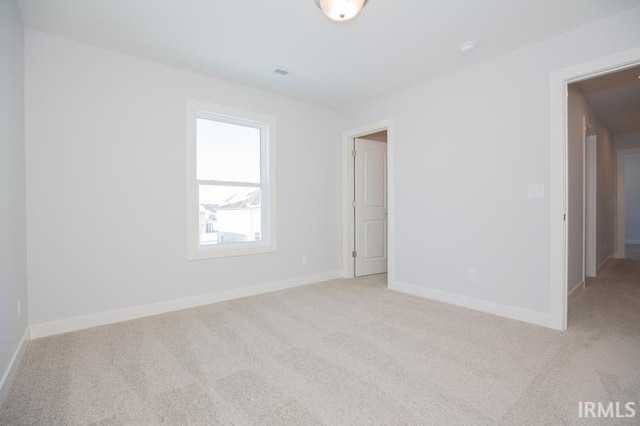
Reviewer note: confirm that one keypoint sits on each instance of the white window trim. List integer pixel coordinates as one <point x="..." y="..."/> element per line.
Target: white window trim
<point x="196" y="251"/>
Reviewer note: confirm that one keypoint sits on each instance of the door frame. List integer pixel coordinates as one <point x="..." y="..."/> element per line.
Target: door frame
<point x="362" y="263"/>
<point x="558" y="178"/>
<point x="621" y="215"/>
<point x="590" y="205"/>
<point x="348" y="136"/>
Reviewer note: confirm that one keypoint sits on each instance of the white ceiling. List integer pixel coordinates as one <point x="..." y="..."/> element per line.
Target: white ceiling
<point x="616" y="99"/>
<point x="392" y="45"/>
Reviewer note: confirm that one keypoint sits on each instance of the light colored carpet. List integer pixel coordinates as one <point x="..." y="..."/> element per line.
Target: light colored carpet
<point x="341" y="352"/>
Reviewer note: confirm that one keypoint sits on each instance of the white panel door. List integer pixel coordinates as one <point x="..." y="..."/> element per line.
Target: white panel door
<point x="370" y="207"/>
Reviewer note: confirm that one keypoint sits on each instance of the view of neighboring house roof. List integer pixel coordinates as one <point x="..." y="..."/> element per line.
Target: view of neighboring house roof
<point x="242" y="201"/>
<point x="211" y="208"/>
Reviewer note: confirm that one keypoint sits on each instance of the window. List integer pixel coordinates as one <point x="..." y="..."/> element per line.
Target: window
<point x="231" y="182"/>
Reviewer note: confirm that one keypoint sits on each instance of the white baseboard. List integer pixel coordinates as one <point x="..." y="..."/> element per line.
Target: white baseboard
<point x="494" y="308"/>
<point x="12" y="368"/>
<point x="632" y="241"/>
<point x="111" y="317"/>
<point x="574" y="290"/>
<point x="604" y="263"/>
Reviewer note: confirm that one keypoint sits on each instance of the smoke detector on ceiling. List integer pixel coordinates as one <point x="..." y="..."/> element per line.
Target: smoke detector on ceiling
<point x="467" y="47"/>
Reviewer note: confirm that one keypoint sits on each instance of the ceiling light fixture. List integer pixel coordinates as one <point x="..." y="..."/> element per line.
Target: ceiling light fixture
<point x="341" y="10"/>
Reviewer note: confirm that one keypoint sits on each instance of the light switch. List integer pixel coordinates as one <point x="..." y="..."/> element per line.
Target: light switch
<point x="536" y="190"/>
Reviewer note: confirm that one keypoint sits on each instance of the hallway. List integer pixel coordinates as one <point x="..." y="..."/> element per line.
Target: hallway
<point x="632" y="251"/>
<point x="611" y="301"/>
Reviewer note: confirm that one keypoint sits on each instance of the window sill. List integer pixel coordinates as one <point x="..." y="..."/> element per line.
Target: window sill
<point x="241" y="249"/>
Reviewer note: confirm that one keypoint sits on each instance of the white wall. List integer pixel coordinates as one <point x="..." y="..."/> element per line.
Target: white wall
<point x="577" y="108"/>
<point x="12" y="185"/>
<point x="105" y="145"/>
<point x="466" y="146"/>
<point x="106" y="186"/>
<point x="632" y="198"/>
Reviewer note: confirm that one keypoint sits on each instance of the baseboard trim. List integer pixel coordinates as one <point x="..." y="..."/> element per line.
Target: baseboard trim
<point x="12" y="368"/>
<point x="511" y="312"/>
<point x="632" y="242"/>
<point x="574" y="291"/>
<point x="111" y="317"/>
<point x="604" y="263"/>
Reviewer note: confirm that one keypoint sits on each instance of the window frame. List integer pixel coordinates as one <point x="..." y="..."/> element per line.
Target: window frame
<point x="268" y="243"/>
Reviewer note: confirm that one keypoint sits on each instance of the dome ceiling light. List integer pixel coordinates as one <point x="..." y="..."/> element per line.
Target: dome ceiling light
<point x="341" y="10"/>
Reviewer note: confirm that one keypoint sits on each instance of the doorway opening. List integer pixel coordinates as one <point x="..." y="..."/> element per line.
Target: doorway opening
<point x="368" y="201"/>
<point x="628" y="206"/>
<point x="370" y="204"/>
<point x="569" y="208"/>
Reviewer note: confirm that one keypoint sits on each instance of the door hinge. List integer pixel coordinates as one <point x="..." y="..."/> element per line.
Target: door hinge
<point x="354" y="153"/>
<point x="353" y="203"/>
<point x="354" y="254"/>
<point x="564" y="217"/>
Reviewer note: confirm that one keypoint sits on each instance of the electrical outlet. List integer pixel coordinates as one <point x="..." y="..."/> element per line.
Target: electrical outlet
<point x="473" y="275"/>
<point x="19" y="309"/>
<point x="305" y="259"/>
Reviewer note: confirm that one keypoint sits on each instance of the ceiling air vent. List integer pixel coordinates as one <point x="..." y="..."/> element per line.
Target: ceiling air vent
<point x="281" y="71"/>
